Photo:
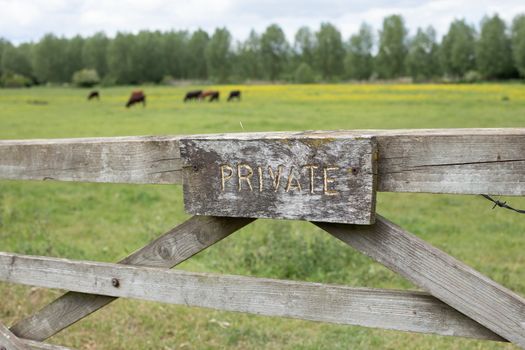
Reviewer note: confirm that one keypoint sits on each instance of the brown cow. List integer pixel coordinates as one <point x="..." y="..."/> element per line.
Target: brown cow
<point x="214" y="95"/>
<point x="136" y="97"/>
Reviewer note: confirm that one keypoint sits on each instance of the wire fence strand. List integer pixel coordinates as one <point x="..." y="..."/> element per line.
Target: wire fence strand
<point x="498" y="203"/>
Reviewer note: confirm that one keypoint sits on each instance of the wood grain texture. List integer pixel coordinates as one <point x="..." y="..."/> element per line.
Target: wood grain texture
<point x="453" y="163"/>
<point x="398" y="310"/>
<point x="35" y="345"/>
<point x="115" y="159"/>
<point x="172" y="248"/>
<point x="9" y="341"/>
<point x="463" y="161"/>
<point x="443" y="276"/>
<point x="329" y="177"/>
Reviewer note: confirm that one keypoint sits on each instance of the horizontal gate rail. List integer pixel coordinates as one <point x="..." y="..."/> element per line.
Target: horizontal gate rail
<point x="389" y="309"/>
<point x="461" y="161"/>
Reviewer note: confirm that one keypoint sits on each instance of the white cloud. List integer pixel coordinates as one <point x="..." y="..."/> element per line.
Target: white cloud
<point x="24" y="20"/>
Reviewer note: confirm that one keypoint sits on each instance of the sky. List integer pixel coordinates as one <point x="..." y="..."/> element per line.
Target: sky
<point x="29" y="20"/>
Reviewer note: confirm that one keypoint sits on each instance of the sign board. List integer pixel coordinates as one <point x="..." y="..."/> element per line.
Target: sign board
<point x="314" y="177"/>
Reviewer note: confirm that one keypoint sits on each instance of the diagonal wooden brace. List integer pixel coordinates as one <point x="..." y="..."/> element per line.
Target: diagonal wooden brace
<point x="172" y="248"/>
<point x="35" y="345"/>
<point x="9" y="341"/>
<point x="448" y="279"/>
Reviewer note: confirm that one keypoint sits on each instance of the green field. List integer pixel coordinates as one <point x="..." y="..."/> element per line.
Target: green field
<point x="105" y="222"/>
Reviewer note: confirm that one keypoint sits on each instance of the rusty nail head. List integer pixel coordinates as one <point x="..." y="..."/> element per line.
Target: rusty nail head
<point x="115" y="282"/>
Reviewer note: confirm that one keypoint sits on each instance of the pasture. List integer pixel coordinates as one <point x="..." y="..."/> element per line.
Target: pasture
<point x="105" y="222"/>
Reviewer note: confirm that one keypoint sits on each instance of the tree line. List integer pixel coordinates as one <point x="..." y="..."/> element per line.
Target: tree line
<point x="494" y="52"/>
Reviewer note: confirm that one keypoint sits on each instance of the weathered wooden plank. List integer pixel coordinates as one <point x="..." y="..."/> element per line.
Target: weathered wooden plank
<point x="466" y="161"/>
<point x="329" y="177"/>
<point x="463" y="163"/>
<point x="443" y="276"/>
<point x="115" y="159"/>
<point x="35" y="345"/>
<point x="9" y="341"/>
<point x="398" y="310"/>
<point x="172" y="248"/>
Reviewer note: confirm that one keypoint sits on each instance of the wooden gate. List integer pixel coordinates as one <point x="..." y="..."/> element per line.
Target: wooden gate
<point x="328" y="178"/>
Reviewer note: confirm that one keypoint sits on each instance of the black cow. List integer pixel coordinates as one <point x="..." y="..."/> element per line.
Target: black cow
<point x="234" y="94"/>
<point x="93" y="94"/>
<point x="192" y="95"/>
<point x="136" y="97"/>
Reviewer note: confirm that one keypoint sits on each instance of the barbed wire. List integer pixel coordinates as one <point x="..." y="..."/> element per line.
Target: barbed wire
<point x="498" y="203"/>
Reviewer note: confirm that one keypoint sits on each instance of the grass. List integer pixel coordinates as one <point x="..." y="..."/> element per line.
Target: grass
<point x="105" y="222"/>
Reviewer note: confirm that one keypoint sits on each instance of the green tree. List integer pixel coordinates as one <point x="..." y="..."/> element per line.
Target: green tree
<point x="422" y="58"/>
<point x="3" y="44"/>
<point x="197" y="54"/>
<point x="94" y="53"/>
<point x="24" y="64"/>
<point x="219" y="55"/>
<point x="359" y="59"/>
<point x="457" y="52"/>
<point x="329" y="52"/>
<point x="134" y="59"/>
<point x="248" y="57"/>
<point x="493" y="50"/>
<point x="175" y="48"/>
<point x="73" y="57"/>
<point x="49" y="60"/>
<point x="17" y="60"/>
<point x="274" y="51"/>
<point x="392" y="48"/>
<point x="147" y="57"/>
<point x="304" y="74"/>
<point x="85" y="78"/>
<point x="120" y="60"/>
<point x="518" y="43"/>
<point x="304" y="46"/>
